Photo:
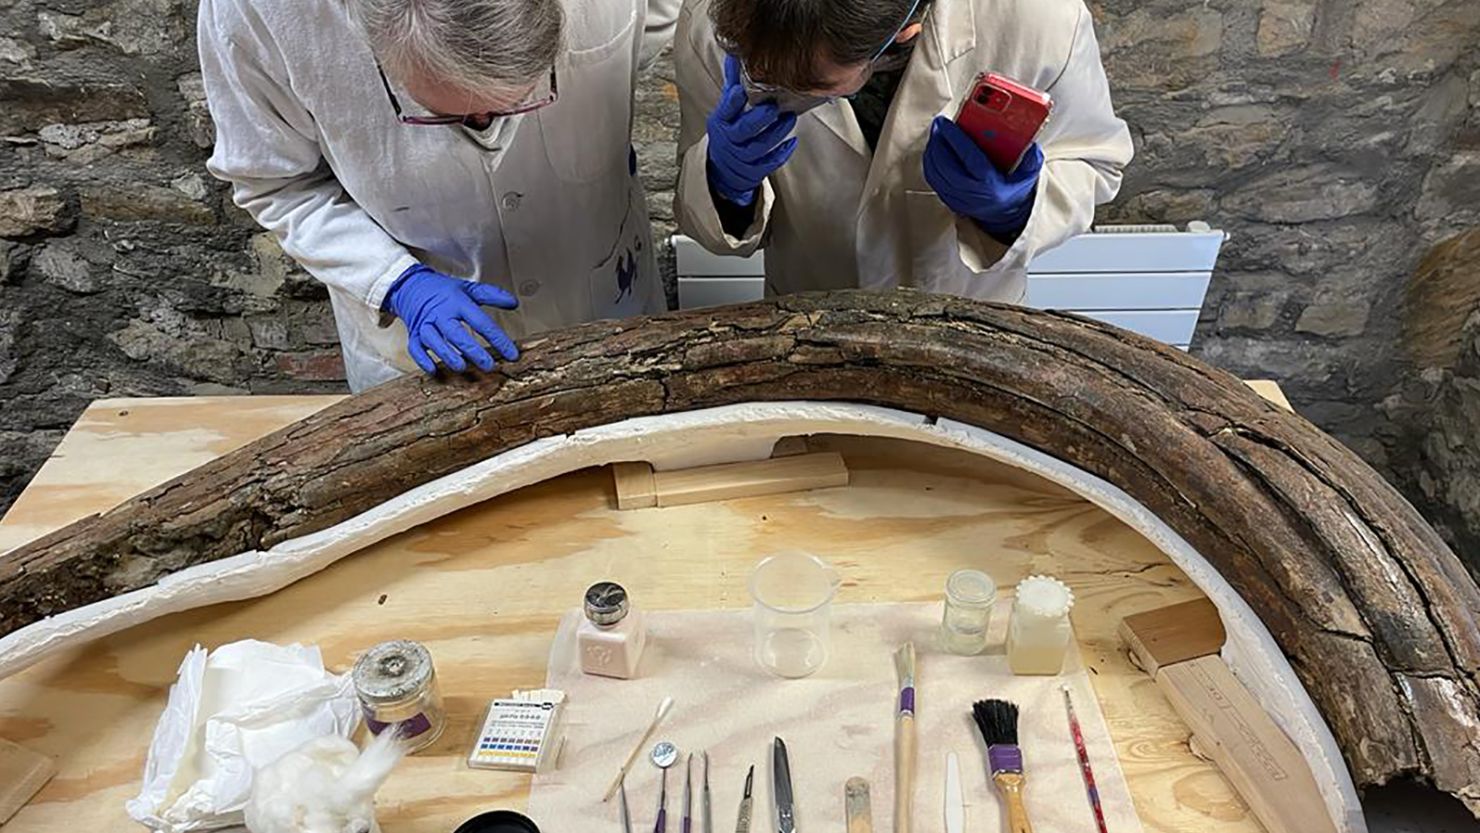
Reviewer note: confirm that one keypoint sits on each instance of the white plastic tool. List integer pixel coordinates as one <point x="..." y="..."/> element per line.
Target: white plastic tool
<point x="955" y="799"/>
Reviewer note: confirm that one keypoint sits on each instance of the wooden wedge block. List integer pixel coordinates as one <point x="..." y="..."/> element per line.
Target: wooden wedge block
<point x="635" y="487"/>
<point x="790" y="447"/>
<point x="1257" y="757"/>
<point x="1174" y="633"/>
<point x="22" y="774"/>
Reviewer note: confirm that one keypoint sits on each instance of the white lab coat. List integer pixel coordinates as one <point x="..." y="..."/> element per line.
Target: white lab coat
<point x="836" y="216"/>
<point x="308" y="139"/>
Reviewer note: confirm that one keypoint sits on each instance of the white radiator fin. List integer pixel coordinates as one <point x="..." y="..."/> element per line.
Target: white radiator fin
<point x="1148" y="278"/>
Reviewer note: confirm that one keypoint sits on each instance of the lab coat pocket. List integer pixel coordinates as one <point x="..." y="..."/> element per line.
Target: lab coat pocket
<point x="587" y="132"/>
<point x="932" y="238"/>
<point x="935" y="240"/>
<point x="625" y="282"/>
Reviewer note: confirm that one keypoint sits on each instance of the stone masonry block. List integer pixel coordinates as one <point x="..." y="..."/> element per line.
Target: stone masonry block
<point x="1284" y="26"/>
<point x="134" y="27"/>
<point x="136" y="203"/>
<point x="60" y="265"/>
<point x="312" y="366"/>
<point x="1335" y="318"/>
<point x="30" y="104"/>
<point x="36" y="210"/>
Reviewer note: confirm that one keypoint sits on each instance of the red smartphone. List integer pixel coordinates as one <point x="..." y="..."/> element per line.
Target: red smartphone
<point x="1003" y="117"/>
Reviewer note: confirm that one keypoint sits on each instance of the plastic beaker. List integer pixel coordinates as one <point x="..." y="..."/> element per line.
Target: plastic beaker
<point x="793" y="595"/>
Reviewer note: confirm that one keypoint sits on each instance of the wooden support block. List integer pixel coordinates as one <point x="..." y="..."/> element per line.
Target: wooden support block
<point x="1174" y="633"/>
<point x="22" y="774"/>
<point x="638" y="486"/>
<point x="637" y="483"/>
<point x="635" y="488"/>
<point x="797" y="473"/>
<point x="1257" y="757"/>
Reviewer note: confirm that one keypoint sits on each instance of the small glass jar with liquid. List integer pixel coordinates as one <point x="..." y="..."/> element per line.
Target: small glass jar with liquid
<point x="970" y="595"/>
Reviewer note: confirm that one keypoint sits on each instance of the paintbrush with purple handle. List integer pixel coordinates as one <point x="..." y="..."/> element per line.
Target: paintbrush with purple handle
<point x="998" y="722"/>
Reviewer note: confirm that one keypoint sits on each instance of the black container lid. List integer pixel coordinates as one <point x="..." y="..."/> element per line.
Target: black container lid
<point x="498" y="821"/>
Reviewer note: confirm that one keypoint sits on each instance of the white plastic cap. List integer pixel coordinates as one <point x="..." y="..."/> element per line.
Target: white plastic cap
<point x="1044" y="596"/>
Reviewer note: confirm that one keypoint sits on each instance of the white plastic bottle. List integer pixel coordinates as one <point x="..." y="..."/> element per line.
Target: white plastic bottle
<point x="1039" y="635"/>
<point x="612" y="636"/>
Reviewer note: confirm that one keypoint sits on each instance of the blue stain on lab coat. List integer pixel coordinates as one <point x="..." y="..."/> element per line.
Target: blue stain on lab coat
<point x="626" y="273"/>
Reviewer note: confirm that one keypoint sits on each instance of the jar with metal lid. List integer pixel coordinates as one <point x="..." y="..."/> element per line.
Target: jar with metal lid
<point x="397" y="687"/>
<point x="611" y="636"/>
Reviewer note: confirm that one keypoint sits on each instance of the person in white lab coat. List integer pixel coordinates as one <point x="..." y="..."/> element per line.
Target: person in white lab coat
<point x="427" y="158"/>
<point x="822" y="133"/>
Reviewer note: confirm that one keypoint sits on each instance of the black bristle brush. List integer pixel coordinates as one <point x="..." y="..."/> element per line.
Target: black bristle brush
<point x="998" y="722"/>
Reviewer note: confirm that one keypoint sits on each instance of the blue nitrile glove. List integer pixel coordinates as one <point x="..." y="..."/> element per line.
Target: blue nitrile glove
<point x="439" y="311"/>
<point x="745" y="144"/>
<point x="970" y="185"/>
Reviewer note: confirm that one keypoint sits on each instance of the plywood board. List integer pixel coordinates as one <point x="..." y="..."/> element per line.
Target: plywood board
<point x="485" y="587"/>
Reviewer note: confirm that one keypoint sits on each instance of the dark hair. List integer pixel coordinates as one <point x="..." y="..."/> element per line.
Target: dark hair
<point x="779" y="40"/>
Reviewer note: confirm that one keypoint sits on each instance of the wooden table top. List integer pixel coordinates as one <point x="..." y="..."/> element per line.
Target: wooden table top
<point x="484" y="588"/>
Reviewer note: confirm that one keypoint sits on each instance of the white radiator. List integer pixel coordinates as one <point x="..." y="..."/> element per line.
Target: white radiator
<point x="1150" y="279"/>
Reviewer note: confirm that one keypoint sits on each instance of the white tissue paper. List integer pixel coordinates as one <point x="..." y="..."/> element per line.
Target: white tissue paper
<point x="229" y="714"/>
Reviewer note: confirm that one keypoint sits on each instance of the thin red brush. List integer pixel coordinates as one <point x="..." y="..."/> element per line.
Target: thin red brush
<point x="1084" y="767"/>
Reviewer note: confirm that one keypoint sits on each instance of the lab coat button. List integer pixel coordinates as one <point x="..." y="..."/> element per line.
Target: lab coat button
<point x="511" y="202"/>
<point x="529" y="288"/>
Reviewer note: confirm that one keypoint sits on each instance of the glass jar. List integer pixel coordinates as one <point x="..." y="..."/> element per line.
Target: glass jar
<point x="397" y="687"/>
<point x="1039" y="635"/>
<point x="970" y="596"/>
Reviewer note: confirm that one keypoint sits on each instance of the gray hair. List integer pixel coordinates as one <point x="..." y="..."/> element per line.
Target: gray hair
<point x="472" y="44"/>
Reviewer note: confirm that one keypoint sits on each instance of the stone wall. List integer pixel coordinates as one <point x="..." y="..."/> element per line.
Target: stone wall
<point x="1338" y="141"/>
<point x="124" y="271"/>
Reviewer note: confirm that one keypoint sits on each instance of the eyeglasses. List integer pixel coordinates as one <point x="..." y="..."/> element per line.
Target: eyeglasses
<point x="469" y="118"/>
<point x="794" y="102"/>
<point x="900" y="28"/>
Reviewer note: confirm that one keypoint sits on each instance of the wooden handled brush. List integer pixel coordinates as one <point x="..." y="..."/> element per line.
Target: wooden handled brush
<point x="998" y="722"/>
<point x="856" y="805"/>
<point x="904" y="739"/>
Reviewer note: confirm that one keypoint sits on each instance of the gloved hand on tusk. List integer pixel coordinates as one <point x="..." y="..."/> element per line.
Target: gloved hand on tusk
<point x="443" y="313"/>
